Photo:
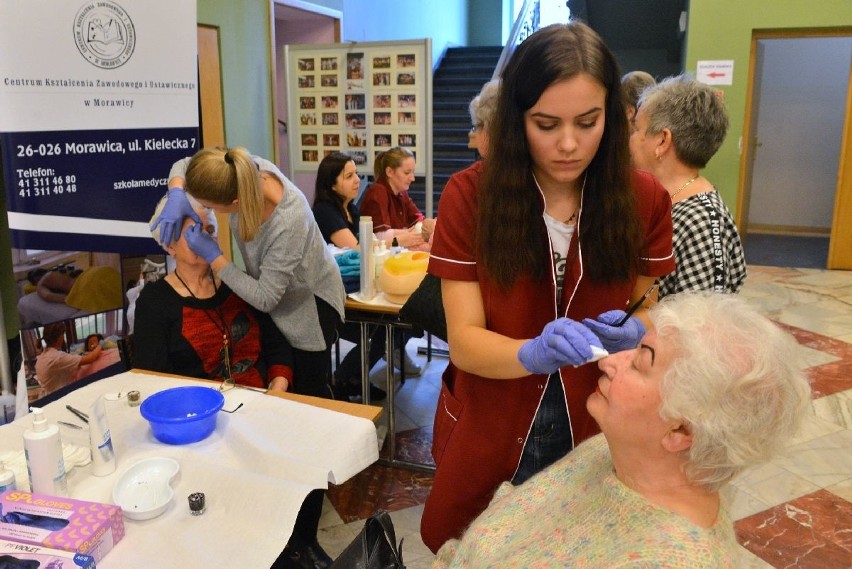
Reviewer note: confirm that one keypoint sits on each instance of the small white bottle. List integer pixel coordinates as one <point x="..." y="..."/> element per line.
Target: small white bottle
<point x="380" y="255"/>
<point x="100" y="441"/>
<point x="365" y="239"/>
<point x="45" y="465"/>
<point x="7" y="479"/>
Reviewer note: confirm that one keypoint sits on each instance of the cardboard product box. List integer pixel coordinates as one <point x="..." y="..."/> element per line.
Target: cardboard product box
<point x="60" y="523"/>
<point x="14" y="554"/>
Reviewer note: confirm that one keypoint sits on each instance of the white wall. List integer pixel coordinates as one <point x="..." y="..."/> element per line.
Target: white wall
<point x="800" y="125"/>
<point x="445" y="21"/>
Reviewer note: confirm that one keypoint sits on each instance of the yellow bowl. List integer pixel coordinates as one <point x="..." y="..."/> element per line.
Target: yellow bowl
<point x="401" y="275"/>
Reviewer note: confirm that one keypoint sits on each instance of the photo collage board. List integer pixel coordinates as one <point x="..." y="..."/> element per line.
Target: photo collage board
<point x="359" y="99"/>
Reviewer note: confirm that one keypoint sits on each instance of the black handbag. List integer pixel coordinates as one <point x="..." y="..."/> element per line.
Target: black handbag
<point x="374" y="548"/>
<point x="424" y="309"/>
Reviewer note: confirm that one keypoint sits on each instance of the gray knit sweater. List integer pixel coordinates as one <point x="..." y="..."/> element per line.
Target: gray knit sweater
<point x="287" y="264"/>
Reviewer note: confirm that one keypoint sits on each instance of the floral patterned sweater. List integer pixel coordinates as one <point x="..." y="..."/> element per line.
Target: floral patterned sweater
<point x="576" y="513"/>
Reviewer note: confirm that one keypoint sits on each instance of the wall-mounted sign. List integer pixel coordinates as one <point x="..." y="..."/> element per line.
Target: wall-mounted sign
<point x="91" y="120"/>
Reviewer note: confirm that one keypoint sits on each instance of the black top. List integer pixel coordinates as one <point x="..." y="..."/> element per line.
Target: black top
<point x="183" y="335"/>
<point x="331" y="220"/>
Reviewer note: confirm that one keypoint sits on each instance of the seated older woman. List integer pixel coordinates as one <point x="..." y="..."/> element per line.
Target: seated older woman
<point x="679" y="126"/>
<point x="711" y="390"/>
<point x="190" y="323"/>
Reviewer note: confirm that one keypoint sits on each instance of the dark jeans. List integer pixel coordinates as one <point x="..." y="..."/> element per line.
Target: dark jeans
<point x="350" y="367"/>
<point x="312" y="370"/>
<point x="550" y="437"/>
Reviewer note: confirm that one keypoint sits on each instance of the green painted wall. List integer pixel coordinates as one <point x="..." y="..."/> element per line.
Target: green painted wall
<point x="722" y="29"/>
<point x="246" y="70"/>
<point x="485" y="22"/>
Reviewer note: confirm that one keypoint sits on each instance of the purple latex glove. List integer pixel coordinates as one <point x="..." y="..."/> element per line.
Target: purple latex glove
<point x="202" y="243"/>
<point x="562" y="342"/>
<point x="616" y="338"/>
<point x="171" y="218"/>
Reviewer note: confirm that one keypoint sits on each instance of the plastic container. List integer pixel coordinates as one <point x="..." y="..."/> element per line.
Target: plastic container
<point x="8" y="403"/>
<point x="144" y="490"/>
<point x="43" y="449"/>
<point x="402" y="274"/>
<point x="368" y="276"/>
<point x="183" y="415"/>
<point x="7" y="479"/>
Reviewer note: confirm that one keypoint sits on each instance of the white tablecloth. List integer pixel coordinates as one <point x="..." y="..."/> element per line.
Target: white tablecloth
<point x="255" y="470"/>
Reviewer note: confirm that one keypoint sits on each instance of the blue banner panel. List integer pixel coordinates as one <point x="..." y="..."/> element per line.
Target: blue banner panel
<point x="89" y="189"/>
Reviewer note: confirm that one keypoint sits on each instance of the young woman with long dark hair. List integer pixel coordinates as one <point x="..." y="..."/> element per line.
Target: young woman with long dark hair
<point x="539" y="249"/>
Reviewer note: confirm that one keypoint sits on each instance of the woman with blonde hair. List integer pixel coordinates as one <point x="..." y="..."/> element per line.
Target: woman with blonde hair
<point x="387" y="202"/>
<point x="289" y="271"/>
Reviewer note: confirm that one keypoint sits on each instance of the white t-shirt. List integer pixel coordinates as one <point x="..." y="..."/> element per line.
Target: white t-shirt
<point x="560" y="238"/>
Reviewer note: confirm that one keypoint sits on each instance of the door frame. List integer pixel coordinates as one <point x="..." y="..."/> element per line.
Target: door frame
<point x="840" y="241"/>
<point x="211" y="109"/>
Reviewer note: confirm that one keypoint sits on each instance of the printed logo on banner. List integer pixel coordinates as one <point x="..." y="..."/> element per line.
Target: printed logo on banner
<point x="104" y="34"/>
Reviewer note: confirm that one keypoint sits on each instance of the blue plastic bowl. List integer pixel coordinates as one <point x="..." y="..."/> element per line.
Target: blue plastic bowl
<point x="183" y="415"/>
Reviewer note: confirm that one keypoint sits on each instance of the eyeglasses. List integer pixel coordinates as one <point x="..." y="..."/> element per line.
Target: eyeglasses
<point x="227" y="385"/>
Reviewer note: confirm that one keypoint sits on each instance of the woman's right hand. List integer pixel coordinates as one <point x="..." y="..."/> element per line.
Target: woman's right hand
<point x="562" y="342"/>
<point x="171" y="218"/>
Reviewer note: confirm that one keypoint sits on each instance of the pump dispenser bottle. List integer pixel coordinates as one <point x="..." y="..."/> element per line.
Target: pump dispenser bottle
<point x="43" y="449"/>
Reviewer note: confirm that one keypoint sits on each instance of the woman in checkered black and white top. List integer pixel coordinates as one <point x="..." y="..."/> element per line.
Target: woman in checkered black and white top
<point x="679" y="126"/>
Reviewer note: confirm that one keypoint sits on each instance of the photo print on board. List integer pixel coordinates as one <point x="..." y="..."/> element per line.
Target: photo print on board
<point x="382" y="118"/>
<point x="382" y="62"/>
<point x="381" y="101"/>
<point x="354" y="65"/>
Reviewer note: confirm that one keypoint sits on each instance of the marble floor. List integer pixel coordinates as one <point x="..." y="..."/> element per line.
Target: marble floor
<point x="795" y="511"/>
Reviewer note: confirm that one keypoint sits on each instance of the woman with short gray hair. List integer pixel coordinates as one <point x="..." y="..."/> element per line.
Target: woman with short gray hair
<point x="481" y="110"/>
<point x="679" y="125"/>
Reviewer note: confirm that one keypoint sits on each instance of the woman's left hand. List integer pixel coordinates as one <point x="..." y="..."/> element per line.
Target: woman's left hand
<point x="427" y="229"/>
<point x="279" y="384"/>
<point x="616" y="338"/>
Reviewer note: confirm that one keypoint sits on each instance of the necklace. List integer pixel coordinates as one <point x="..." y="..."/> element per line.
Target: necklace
<point x="221" y="325"/>
<point x="683" y="187"/>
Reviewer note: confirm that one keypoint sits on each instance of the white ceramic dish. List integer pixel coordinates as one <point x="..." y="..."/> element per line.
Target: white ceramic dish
<point x="144" y="490"/>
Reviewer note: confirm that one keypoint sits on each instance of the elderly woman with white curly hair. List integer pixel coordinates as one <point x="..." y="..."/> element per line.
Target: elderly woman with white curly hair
<point x="712" y="389"/>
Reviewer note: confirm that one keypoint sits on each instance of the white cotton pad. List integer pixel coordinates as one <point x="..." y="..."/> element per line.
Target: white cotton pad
<point x="597" y="354"/>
